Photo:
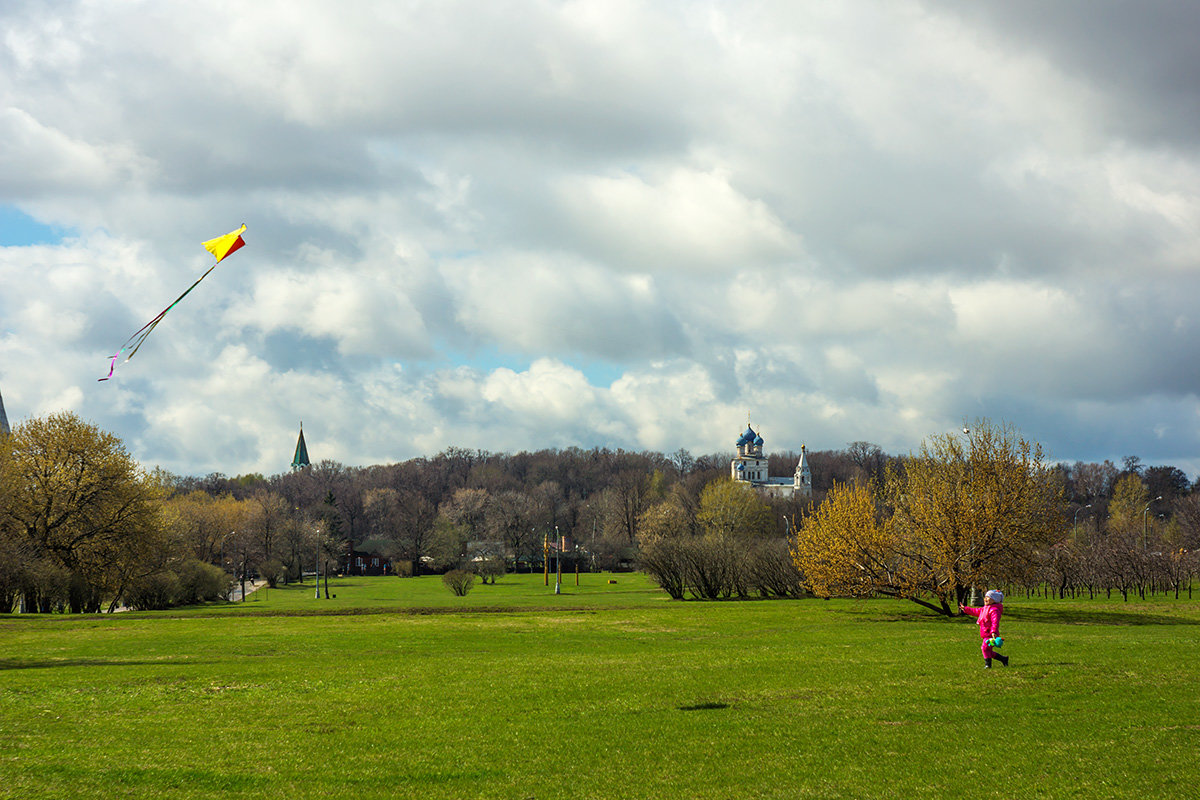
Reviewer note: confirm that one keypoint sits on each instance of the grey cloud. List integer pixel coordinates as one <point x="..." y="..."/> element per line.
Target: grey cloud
<point x="1141" y="56"/>
<point x="547" y="303"/>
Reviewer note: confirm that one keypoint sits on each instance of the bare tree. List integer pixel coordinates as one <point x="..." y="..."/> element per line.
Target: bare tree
<point x="510" y="519"/>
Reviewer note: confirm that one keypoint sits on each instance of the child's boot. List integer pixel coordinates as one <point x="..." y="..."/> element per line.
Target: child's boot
<point x="987" y="663"/>
<point x="1003" y="659"/>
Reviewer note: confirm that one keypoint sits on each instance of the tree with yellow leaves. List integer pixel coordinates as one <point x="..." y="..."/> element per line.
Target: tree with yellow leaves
<point x="964" y="511"/>
<point x="843" y="548"/>
<point x="730" y="509"/>
<point x="84" y="515"/>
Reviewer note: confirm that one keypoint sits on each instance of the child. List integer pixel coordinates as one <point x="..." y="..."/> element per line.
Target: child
<point x="989" y="624"/>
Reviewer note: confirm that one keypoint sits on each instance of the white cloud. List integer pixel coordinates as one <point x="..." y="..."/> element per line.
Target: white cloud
<point x="532" y="224"/>
<point x="362" y="313"/>
<point x="685" y="219"/>
<point x="558" y="304"/>
<point x="39" y="159"/>
<point x="549" y="392"/>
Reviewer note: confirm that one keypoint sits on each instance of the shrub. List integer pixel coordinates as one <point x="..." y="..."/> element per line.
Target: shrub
<point x="459" y="581"/>
<point x="200" y="582"/>
<point x="489" y="568"/>
<point x="717" y="567"/>
<point x="662" y="558"/>
<point x="153" y="592"/>
<point x="273" y="570"/>
<point x="46" y="586"/>
<point x="772" y="572"/>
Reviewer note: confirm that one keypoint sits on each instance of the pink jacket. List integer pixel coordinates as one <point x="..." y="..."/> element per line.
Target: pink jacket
<point x="989" y="619"/>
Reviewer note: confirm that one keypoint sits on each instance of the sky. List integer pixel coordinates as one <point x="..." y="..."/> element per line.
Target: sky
<point x="519" y="225"/>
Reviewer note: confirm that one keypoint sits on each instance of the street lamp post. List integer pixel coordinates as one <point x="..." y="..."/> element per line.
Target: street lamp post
<point x="1144" y="511"/>
<point x="969" y="473"/>
<point x="557" y="562"/>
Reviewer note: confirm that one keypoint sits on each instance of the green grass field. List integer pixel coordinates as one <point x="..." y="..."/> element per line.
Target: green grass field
<point x="398" y="689"/>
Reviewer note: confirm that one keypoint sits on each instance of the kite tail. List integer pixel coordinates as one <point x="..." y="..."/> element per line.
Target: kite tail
<point x="111" y="367"/>
<point x="135" y="341"/>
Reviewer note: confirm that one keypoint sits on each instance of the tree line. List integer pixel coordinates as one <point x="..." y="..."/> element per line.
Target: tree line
<point x="83" y="526"/>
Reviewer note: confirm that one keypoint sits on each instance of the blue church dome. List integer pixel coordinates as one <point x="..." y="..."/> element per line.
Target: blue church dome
<point x="747" y="437"/>
<point x="758" y="440"/>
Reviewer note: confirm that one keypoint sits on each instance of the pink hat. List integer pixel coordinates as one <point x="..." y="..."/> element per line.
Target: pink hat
<point x="995" y="595"/>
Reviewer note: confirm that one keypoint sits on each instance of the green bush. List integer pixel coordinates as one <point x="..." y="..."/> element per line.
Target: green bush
<point x="200" y="582"/>
<point x="46" y="586"/>
<point x="153" y="592"/>
<point x="273" y="570"/>
<point x="459" y="581"/>
<point x="489" y="568"/>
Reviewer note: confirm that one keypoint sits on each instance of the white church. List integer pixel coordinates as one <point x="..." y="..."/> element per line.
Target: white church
<point x="750" y="466"/>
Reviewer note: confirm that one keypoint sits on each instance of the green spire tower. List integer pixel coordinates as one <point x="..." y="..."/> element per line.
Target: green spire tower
<point x="300" y="460"/>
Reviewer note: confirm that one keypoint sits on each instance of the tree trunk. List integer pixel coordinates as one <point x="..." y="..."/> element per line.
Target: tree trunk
<point x="944" y="609"/>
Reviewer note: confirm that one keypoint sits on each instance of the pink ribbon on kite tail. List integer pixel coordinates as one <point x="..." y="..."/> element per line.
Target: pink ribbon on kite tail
<point x="219" y="247"/>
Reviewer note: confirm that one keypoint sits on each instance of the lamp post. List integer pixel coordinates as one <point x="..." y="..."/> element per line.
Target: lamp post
<point x="557" y="562"/>
<point x="1075" y="529"/>
<point x="1144" y="511"/>
<point x="969" y="474"/>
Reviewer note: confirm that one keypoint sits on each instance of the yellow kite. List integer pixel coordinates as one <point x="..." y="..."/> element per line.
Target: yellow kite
<point x="219" y="247"/>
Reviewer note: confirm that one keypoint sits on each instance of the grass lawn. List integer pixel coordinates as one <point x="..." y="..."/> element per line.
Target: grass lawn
<point x="398" y="689"/>
<point x="370" y="595"/>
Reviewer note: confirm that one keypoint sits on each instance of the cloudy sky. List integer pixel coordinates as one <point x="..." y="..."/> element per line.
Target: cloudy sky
<point x="522" y="225"/>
